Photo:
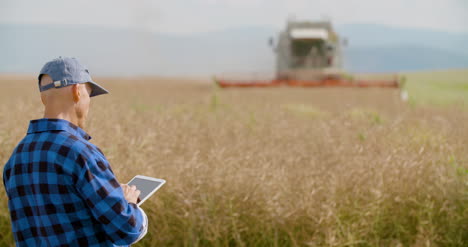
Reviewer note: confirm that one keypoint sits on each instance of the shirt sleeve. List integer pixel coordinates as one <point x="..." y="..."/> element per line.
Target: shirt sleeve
<point x="123" y="222"/>
<point x="145" y="226"/>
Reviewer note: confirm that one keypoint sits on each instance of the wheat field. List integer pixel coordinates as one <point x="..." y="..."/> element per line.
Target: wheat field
<point x="273" y="167"/>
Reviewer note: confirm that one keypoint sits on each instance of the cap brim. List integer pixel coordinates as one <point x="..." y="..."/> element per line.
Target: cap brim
<point x="96" y="89"/>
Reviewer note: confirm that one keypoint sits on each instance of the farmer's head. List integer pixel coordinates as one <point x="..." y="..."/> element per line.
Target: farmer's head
<point x="66" y="88"/>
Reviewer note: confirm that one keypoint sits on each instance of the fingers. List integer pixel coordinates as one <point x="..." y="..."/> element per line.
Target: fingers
<point x="128" y="188"/>
<point x="125" y="188"/>
<point x="137" y="195"/>
<point x="131" y="192"/>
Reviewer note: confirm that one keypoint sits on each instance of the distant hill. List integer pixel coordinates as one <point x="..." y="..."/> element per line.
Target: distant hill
<point x="372" y="48"/>
<point x="371" y="35"/>
<point x="402" y="58"/>
<point x="376" y="48"/>
<point x="24" y="48"/>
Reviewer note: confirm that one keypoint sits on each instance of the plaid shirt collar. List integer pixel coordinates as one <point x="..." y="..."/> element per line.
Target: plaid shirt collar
<point x="48" y="124"/>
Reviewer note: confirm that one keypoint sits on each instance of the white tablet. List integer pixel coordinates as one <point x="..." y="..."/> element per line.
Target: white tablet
<point x="146" y="185"/>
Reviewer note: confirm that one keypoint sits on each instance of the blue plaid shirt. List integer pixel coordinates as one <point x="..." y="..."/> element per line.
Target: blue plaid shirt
<point x="62" y="191"/>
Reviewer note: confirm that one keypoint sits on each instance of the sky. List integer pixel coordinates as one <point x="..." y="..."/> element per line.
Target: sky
<point x="192" y="16"/>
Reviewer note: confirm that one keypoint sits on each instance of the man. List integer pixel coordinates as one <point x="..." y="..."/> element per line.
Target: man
<point x="61" y="189"/>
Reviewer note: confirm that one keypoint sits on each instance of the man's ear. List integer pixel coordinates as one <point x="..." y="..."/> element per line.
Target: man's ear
<point x="76" y="92"/>
<point x="43" y="100"/>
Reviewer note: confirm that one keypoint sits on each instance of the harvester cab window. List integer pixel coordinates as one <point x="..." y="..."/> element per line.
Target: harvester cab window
<point x="308" y="53"/>
<point x="303" y="47"/>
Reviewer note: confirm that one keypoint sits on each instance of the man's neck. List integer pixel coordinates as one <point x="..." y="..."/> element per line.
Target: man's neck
<point x="61" y="115"/>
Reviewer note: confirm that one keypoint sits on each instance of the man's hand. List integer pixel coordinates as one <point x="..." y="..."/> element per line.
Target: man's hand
<point x="131" y="193"/>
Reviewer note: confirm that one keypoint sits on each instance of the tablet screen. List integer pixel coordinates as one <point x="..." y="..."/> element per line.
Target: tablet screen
<point x="145" y="186"/>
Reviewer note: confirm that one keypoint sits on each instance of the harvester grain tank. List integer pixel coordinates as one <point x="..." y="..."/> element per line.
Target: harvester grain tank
<point x="309" y="54"/>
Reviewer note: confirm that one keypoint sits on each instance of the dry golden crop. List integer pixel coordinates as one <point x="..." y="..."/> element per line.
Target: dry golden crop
<point x="274" y="167"/>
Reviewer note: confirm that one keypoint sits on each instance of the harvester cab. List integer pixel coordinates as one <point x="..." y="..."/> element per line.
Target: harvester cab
<point x="308" y="51"/>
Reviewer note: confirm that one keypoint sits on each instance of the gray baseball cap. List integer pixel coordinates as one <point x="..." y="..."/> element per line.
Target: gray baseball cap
<point x="66" y="71"/>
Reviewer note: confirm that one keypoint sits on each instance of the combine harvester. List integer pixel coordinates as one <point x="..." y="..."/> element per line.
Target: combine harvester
<point x="309" y="54"/>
